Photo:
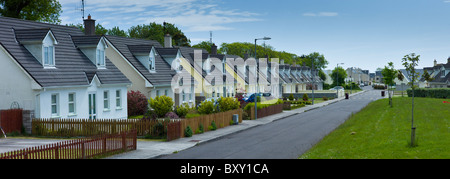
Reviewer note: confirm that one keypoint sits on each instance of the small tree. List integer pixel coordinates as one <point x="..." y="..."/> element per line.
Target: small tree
<point x="136" y="103"/>
<point x="162" y="105"/>
<point x="400" y="77"/>
<point x="389" y="74"/>
<point x="427" y="77"/>
<point x="410" y="62"/>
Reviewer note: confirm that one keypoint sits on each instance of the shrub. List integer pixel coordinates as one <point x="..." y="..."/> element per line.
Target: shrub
<point x="150" y="115"/>
<point x="228" y="104"/>
<point x="430" y="93"/>
<point x="206" y="107"/>
<point x="162" y="105"/>
<point x="213" y="126"/>
<point x="200" y="129"/>
<point x="188" y="132"/>
<point x="291" y="97"/>
<point x="305" y="97"/>
<point x="137" y="103"/>
<point x="182" y="110"/>
<point x="171" y="115"/>
<point x="325" y="98"/>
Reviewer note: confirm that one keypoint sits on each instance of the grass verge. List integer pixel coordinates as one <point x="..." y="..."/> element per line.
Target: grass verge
<point x="381" y="132"/>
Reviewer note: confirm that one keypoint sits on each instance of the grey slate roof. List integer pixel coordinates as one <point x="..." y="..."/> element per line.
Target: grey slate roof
<point x="128" y="46"/>
<point x="70" y="62"/>
<point x="25" y="35"/>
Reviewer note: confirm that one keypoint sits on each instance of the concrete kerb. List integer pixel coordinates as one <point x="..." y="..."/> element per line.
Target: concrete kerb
<point x="154" y="150"/>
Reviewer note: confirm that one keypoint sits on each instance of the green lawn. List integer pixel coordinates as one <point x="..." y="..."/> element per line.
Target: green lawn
<point x="381" y="132"/>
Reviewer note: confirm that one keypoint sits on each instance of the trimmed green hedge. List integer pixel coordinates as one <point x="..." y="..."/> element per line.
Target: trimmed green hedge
<point x="430" y="93"/>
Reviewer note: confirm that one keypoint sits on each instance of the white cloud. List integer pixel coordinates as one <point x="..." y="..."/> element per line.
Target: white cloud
<point x="321" y="14"/>
<point x="191" y="15"/>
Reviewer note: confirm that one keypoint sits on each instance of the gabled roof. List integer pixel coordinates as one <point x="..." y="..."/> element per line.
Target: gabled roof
<point x="70" y="62"/>
<point x="126" y="47"/>
<point x="86" y="40"/>
<point x="31" y="35"/>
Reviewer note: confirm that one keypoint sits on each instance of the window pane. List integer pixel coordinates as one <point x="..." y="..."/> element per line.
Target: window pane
<point x="53" y="99"/>
<point x="45" y="55"/>
<point x="102" y="57"/>
<point x="118" y="94"/>
<point x="71" y="97"/>
<point x="71" y="108"/>
<point x="54" y="110"/>
<point x="50" y="55"/>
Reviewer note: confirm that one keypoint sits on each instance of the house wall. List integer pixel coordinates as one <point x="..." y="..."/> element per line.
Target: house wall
<point x="82" y="102"/>
<point x="138" y="82"/>
<point x="16" y="85"/>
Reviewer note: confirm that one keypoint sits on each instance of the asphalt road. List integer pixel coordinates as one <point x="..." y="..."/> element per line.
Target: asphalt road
<point x="287" y="138"/>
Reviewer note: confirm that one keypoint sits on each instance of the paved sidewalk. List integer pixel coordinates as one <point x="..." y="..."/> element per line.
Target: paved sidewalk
<point x="150" y="149"/>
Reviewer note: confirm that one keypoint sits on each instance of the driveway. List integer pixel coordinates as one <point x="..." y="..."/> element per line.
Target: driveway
<point x="12" y="144"/>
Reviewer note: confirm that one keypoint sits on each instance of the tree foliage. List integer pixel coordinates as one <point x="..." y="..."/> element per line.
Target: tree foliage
<point x="389" y="75"/>
<point x="243" y="48"/>
<point x="154" y="31"/>
<point x="35" y="10"/>
<point x="340" y="74"/>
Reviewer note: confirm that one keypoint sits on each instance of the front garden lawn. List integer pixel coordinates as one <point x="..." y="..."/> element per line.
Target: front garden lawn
<point x="381" y="132"/>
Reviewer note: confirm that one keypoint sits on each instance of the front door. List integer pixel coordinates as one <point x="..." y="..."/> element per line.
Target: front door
<point x="92" y="107"/>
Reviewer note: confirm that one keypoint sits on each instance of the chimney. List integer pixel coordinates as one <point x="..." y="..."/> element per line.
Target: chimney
<point x="89" y="26"/>
<point x="281" y="62"/>
<point x="435" y="62"/>
<point x="213" y="49"/>
<point x="448" y="60"/>
<point x="168" y="41"/>
<point x="245" y="56"/>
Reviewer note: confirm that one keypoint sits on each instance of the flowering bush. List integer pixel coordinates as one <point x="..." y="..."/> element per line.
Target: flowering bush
<point x="172" y="115"/>
<point x="137" y="103"/>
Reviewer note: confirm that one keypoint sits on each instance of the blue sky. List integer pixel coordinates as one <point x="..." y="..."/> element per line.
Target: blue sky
<point x="359" y="33"/>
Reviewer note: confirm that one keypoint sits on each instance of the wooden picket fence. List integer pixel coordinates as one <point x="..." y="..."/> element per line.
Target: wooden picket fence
<point x="264" y="112"/>
<point x="86" y="127"/>
<point x="79" y="148"/>
<point x="176" y="130"/>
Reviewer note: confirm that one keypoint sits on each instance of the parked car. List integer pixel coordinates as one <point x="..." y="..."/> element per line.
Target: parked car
<point x="250" y="97"/>
<point x="337" y="88"/>
<point x="215" y="100"/>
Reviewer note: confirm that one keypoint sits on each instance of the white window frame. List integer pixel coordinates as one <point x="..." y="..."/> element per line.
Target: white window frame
<point x="118" y="99"/>
<point x="100" y="58"/>
<point x="151" y="62"/>
<point x="56" y="104"/>
<point x="48" y="55"/>
<point x="73" y="102"/>
<point x="106" y="101"/>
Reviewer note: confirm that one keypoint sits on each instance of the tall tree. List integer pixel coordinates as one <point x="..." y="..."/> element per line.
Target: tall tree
<point x="35" y="10"/>
<point x="117" y="32"/>
<point x="340" y="74"/>
<point x="389" y="75"/>
<point x="319" y="60"/>
<point x="154" y="31"/>
<point x="410" y="61"/>
<point x="204" y="45"/>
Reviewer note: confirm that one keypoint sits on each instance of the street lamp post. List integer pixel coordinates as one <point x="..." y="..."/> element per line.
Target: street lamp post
<point x="256" y="75"/>
<point x="313" y="75"/>
<point x="337" y="80"/>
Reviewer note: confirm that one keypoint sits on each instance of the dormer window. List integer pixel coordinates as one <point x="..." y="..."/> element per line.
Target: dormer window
<point x="49" y="56"/>
<point x="40" y="43"/>
<point x="100" y="58"/>
<point x="151" y="61"/>
<point x="93" y="47"/>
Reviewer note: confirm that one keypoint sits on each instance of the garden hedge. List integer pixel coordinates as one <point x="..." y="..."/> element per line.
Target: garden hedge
<point x="430" y="93"/>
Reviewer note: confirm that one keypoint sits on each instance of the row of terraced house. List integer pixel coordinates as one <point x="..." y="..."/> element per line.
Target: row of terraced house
<point x="61" y="72"/>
